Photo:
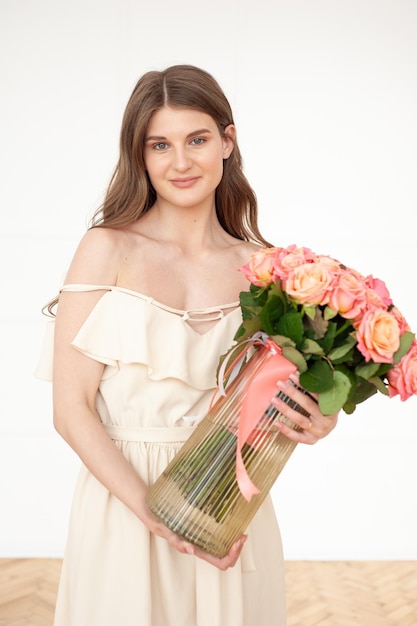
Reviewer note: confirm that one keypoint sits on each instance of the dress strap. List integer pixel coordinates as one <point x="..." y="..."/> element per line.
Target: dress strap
<point x="208" y="314"/>
<point x="86" y="287"/>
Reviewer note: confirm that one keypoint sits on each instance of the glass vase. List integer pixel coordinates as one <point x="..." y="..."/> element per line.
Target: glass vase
<point x="199" y="495"/>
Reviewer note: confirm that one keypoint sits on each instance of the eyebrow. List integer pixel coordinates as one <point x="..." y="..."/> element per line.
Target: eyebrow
<point x="200" y="131"/>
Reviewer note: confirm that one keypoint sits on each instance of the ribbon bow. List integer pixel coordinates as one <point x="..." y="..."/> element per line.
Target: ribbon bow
<point x="257" y="398"/>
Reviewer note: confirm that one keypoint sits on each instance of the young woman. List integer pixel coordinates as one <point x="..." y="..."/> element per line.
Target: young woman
<point x="149" y="304"/>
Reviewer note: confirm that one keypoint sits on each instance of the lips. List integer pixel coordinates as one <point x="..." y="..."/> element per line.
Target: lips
<point x="183" y="183"/>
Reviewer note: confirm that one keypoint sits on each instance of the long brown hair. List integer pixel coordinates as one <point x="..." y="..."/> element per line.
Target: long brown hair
<point x="130" y="193"/>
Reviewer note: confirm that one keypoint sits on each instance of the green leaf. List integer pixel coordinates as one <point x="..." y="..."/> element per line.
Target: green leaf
<point x="327" y="341"/>
<point x="248" y="328"/>
<point x="247" y="298"/>
<point x="332" y="400"/>
<point x="361" y="391"/>
<point x="342" y="350"/>
<point x="255" y="298"/>
<point x="282" y="341"/>
<point x="271" y="313"/>
<point x="295" y="357"/>
<point x="405" y="344"/>
<point x="276" y="290"/>
<point x="310" y="310"/>
<point x="379" y="384"/>
<point x="329" y="313"/>
<point x="384" y="368"/>
<point x="249" y="305"/>
<point x="347" y="358"/>
<point x="366" y="370"/>
<point x="291" y="325"/>
<point x="318" y="377"/>
<point x="312" y="347"/>
<point x="259" y="293"/>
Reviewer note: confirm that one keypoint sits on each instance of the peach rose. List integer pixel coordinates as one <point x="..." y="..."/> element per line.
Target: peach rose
<point x="287" y="259"/>
<point x="378" y="336"/>
<point x="402" y="378"/>
<point x="348" y="295"/>
<point x="332" y="265"/>
<point x="309" y="283"/>
<point x="260" y="268"/>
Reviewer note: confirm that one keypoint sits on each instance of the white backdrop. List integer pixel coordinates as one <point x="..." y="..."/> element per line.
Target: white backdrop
<point x="325" y="100"/>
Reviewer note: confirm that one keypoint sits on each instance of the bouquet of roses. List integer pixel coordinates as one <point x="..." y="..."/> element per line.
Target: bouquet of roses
<point x="341" y="329"/>
<point x="302" y="311"/>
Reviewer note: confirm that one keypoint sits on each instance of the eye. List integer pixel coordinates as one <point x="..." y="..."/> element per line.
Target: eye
<point x="160" y="146"/>
<point x="198" y="141"/>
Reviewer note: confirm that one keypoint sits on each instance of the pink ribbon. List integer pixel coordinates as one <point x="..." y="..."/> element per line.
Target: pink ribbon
<point x="259" y="392"/>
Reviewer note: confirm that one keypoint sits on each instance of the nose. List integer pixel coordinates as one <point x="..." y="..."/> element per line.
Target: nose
<point x="181" y="160"/>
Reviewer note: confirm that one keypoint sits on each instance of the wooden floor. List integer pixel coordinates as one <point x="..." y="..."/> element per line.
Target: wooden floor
<point x="328" y="593"/>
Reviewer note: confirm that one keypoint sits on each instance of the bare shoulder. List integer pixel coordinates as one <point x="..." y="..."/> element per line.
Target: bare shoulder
<point x="98" y="257"/>
<point x="242" y="251"/>
<point x="246" y="248"/>
<point x="101" y="239"/>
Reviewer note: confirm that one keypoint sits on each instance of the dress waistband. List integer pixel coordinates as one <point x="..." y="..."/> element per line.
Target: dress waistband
<point x="152" y="434"/>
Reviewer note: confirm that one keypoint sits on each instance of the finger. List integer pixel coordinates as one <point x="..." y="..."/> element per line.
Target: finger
<point x="301" y="420"/>
<point x="304" y="435"/>
<point x="299" y="395"/>
<point x="229" y="560"/>
<point x="185" y="547"/>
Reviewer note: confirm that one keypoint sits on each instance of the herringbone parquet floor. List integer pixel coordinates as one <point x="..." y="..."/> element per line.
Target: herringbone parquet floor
<point x="319" y="593"/>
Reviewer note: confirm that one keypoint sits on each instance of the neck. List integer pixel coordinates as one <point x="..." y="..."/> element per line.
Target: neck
<point x="188" y="227"/>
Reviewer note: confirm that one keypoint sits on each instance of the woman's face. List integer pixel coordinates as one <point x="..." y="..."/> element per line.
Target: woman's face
<point x="184" y="154"/>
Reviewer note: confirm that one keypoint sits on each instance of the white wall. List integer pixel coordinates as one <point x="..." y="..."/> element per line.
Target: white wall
<point x="325" y="95"/>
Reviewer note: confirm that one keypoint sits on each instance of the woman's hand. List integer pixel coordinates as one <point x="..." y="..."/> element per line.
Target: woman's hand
<point x="314" y="427"/>
<point x="225" y="562"/>
<point x="185" y="547"/>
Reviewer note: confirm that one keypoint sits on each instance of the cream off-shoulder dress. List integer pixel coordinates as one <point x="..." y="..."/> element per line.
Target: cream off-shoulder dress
<point x="159" y="378"/>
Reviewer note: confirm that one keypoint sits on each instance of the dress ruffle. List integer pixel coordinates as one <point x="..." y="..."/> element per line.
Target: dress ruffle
<point x="121" y="329"/>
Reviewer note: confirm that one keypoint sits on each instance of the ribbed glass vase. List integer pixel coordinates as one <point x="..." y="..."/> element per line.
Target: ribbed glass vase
<point x="198" y="495"/>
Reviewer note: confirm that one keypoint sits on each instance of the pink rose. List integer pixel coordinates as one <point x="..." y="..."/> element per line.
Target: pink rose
<point x="402" y="378"/>
<point x="348" y="296"/>
<point x="374" y="301"/>
<point x="378" y="336"/>
<point x="380" y="288"/>
<point x="260" y="268"/>
<point x="309" y="283"/>
<point x="402" y="322"/>
<point x="286" y="259"/>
